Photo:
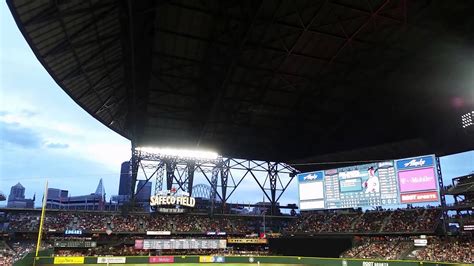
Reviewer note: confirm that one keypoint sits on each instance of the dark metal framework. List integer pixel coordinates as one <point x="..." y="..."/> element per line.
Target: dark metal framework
<point x="442" y="195"/>
<point x="224" y="175"/>
<point x="201" y="73"/>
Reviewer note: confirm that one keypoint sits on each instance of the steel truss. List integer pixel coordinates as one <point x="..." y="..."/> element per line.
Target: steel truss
<point x="442" y="196"/>
<point x="224" y="176"/>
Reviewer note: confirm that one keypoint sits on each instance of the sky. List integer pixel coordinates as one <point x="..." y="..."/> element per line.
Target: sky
<point x="44" y="135"/>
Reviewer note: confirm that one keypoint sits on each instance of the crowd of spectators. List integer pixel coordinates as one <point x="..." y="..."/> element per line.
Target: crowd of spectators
<point x="451" y="249"/>
<point x="379" y="248"/>
<point x="323" y="222"/>
<point x="403" y="220"/>
<point x="400" y="220"/>
<point x="14" y="251"/>
<point x="447" y="250"/>
<point x="370" y="221"/>
<point x="60" y="221"/>
<point x="429" y="220"/>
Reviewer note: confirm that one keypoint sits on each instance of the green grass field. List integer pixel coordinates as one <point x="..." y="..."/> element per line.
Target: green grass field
<point x="193" y="264"/>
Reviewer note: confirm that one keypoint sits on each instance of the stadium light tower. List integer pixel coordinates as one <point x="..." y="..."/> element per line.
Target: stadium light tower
<point x="180" y="153"/>
<point x="467" y="120"/>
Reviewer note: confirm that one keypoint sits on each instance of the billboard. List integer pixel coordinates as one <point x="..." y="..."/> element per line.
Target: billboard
<point x="68" y="260"/>
<point x="415" y="180"/>
<point x="161" y="259"/>
<point x="404" y="181"/>
<point x="111" y="260"/>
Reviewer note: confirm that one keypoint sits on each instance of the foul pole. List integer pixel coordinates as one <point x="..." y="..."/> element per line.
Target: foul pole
<point x="43" y="209"/>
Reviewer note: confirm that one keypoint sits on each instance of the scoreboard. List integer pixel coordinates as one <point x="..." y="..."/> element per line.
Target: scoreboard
<point x="75" y="244"/>
<point x="404" y="181"/>
<point x="180" y="244"/>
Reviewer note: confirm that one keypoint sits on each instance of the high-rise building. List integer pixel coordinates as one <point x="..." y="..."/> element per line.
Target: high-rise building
<point x="125" y="179"/>
<point x="143" y="194"/>
<point x="57" y="198"/>
<point x="17" y="199"/>
<point x="17" y="192"/>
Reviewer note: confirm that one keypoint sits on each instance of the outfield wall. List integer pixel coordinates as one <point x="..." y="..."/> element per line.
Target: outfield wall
<point x="231" y="259"/>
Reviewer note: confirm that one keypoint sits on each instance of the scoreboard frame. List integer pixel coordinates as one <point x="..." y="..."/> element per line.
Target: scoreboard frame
<point x="420" y="176"/>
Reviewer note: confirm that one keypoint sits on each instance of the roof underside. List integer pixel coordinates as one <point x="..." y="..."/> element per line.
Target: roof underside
<point x="278" y="80"/>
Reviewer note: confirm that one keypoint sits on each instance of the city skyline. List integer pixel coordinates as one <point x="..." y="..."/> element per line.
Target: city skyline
<point x="451" y="166"/>
<point x="45" y="135"/>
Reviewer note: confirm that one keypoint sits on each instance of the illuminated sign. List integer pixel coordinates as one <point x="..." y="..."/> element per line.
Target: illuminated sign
<point x="374" y="263"/>
<point x="211" y="233"/>
<point x="429" y="196"/>
<point x="417" y="179"/>
<point x="169" y="210"/>
<point x="420" y="242"/>
<point x="468" y="227"/>
<point x="73" y="232"/>
<point x="75" y="244"/>
<point x="170" y="198"/>
<point x="158" y="233"/>
<point x="310" y="177"/>
<point x="247" y="241"/>
<point x="418" y="162"/>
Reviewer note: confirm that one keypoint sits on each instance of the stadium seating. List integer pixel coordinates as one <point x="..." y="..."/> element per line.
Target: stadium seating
<point x="399" y="224"/>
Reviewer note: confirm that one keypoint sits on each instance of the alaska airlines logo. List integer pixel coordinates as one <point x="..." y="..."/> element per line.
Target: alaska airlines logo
<point x="415" y="163"/>
<point x="310" y="177"/>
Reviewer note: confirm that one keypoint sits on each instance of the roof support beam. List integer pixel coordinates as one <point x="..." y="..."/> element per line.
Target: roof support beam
<point x="80" y="64"/>
<point x="220" y="91"/>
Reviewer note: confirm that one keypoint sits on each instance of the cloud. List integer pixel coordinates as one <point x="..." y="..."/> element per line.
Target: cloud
<point x="13" y="133"/>
<point x="3" y="113"/>
<point x="28" y="113"/>
<point x="57" y="145"/>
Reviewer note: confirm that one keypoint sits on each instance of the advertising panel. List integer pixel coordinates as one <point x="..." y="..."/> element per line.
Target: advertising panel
<point x="468" y="227"/>
<point x="312" y="204"/>
<point x="417" y="197"/>
<point x="418" y="162"/>
<point x="139" y="243"/>
<point x="310" y="177"/>
<point x="161" y="259"/>
<point x="417" y="180"/>
<point x="420" y="242"/>
<point x="211" y="259"/>
<point x="206" y="259"/>
<point x="247" y="241"/>
<point x="68" y="260"/>
<point x="213" y="233"/>
<point x="311" y="186"/>
<point x="158" y="233"/>
<point x="111" y="260"/>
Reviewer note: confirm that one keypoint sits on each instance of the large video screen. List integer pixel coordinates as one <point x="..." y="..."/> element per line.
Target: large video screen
<point x="404" y="181"/>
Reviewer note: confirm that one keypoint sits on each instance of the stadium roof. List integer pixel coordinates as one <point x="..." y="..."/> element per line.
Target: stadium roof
<point x="279" y="80"/>
<point x="462" y="185"/>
